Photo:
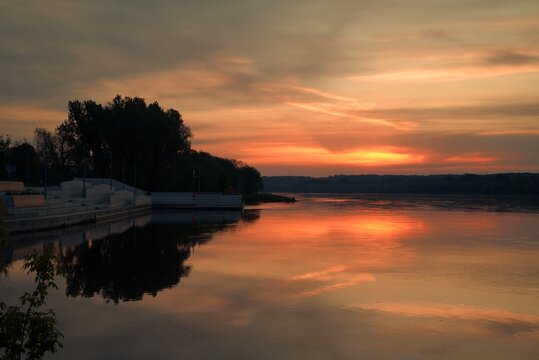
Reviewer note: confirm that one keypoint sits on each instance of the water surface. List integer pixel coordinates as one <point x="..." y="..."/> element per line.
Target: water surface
<point x="325" y="278"/>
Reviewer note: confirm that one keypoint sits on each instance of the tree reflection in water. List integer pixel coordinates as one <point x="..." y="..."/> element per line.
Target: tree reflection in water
<point x="6" y="250"/>
<point x="124" y="267"/>
<point x="6" y="253"/>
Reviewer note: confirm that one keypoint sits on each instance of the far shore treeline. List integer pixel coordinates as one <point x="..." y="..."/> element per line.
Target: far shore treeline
<point x="138" y="143"/>
<point x="492" y="184"/>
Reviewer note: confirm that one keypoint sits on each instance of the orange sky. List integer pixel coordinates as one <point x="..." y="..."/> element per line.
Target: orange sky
<point x="303" y="88"/>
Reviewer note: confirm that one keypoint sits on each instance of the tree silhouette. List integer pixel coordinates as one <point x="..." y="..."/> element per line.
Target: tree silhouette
<point x="139" y="135"/>
<point x="5" y="142"/>
<point x="124" y="267"/>
<point x="24" y="157"/>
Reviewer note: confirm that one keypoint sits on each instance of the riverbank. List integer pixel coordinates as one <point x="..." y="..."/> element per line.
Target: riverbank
<point x="258" y="198"/>
<point x="93" y="200"/>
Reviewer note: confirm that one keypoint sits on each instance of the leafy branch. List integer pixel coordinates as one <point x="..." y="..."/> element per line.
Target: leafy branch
<point x="26" y="329"/>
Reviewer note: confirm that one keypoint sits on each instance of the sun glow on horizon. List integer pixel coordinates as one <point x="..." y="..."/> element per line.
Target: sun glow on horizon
<point x="296" y="154"/>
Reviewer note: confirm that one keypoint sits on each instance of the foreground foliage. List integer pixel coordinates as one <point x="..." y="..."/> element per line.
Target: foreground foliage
<point x="28" y="331"/>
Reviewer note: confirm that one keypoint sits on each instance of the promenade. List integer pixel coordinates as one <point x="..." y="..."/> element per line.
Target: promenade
<point x="93" y="200"/>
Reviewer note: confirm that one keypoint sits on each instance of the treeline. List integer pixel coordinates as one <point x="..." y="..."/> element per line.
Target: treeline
<point x="492" y="184"/>
<point x="141" y="144"/>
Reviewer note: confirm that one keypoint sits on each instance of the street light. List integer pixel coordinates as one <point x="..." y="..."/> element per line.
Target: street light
<point x="110" y="169"/>
<point x="45" y="177"/>
<point x="135" y="186"/>
<point x="84" y="170"/>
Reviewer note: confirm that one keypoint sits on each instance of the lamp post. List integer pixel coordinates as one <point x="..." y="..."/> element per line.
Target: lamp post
<point x="123" y="173"/>
<point x="135" y="186"/>
<point x="110" y="170"/>
<point x="45" y="180"/>
<point x="84" y="171"/>
<point x="198" y="174"/>
<point x="26" y="164"/>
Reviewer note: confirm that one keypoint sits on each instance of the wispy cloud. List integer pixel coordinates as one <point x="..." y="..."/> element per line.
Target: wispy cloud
<point x="449" y="74"/>
<point x="470" y="159"/>
<point x="511" y="58"/>
<point x="323" y="108"/>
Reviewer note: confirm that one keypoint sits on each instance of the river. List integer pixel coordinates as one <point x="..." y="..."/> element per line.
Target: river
<point x="329" y="277"/>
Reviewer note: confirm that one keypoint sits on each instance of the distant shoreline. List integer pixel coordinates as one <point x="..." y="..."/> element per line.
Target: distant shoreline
<point x="463" y="202"/>
<point x="519" y="184"/>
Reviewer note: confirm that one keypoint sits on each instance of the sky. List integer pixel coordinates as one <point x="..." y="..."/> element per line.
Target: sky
<point x="302" y="87"/>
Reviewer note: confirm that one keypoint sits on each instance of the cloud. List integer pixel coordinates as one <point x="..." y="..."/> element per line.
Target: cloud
<point x="59" y="46"/>
<point x="438" y="34"/>
<point x="510" y="58"/>
<point x="333" y="76"/>
<point x="457" y="112"/>
<point x="470" y="159"/>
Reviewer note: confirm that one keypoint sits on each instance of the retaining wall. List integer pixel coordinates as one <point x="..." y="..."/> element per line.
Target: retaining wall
<point x="6" y="186"/>
<point x="183" y="200"/>
<point x="64" y="220"/>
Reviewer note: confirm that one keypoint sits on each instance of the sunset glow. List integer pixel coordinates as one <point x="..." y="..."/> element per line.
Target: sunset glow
<point x="309" y="88"/>
<point x="288" y="154"/>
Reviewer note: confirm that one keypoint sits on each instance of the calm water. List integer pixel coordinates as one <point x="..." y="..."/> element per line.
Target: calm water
<point x="325" y="278"/>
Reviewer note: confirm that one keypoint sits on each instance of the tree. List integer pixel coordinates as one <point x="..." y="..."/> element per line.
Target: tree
<point x="143" y="145"/>
<point x="251" y="179"/>
<point x="125" y="130"/>
<point x="24" y="157"/>
<point x="5" y="142"/>
<point x="51" y="149"/>
<point x="26" y="329"/>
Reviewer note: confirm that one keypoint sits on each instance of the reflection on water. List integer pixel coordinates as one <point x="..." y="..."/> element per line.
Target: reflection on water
<point x="323" y="278"/>
<point x="127" y="265"/>
<point x="427" y="202"/>
<point x="123" y="260"/>
<point x="139" y="260"/>
<point x="6" y="255"/>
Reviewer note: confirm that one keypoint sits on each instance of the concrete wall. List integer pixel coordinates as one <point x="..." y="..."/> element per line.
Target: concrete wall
<point x="6" y="186"/>
<point x="66" y="206"/>
<point x="62" y="220"/>
<point x="25" y="201"/>
<point x="196" y="200"/>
